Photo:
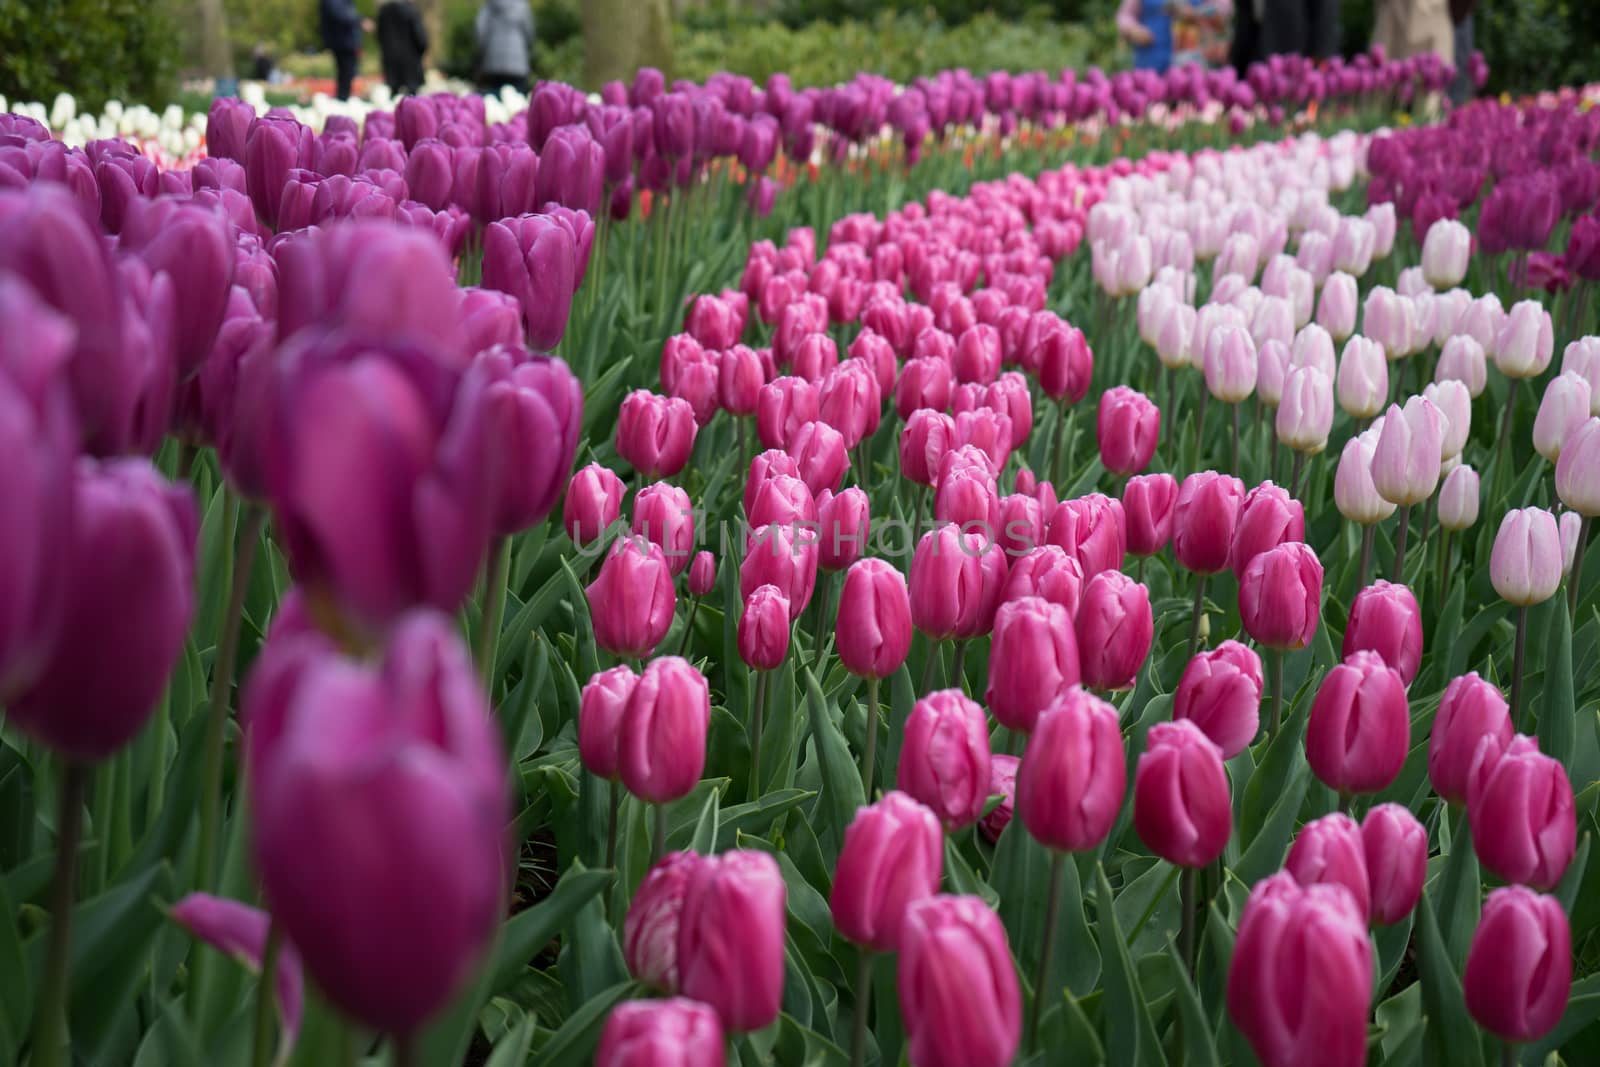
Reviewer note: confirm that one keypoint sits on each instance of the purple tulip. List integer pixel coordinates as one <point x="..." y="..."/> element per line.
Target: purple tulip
<point x="534" y="258"/>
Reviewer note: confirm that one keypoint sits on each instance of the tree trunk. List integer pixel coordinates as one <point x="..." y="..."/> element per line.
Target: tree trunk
<point x="620" y="36"/>
<point x="216" y="57"/>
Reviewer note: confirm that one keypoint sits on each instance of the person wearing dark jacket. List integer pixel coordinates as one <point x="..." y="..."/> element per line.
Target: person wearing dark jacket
<point x="402" y="41"/>
<point x="342" y="27"/>
<point x="1265" y="28"/>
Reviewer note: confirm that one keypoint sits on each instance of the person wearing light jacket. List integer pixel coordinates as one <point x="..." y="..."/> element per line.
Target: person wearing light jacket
<point x="505" y="40"/>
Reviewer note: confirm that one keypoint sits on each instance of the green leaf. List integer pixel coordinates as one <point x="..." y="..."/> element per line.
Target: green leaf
<point x="574" y="1043"/>
<point x="841" y="780"/>
<point x="512" y="1050"/>
<point x="704" y="839"/>
<point x="1130" y="1032"/>
<point x="1459" y="889"/>
<point x="1271" y="842"/>
<point x="1391" y="942"/>
<point x="16" y="991"/>
<point x="963" y="879"/>
<point x="519" y="941"/>
<point x="1583" y="1008"/>
<point x="1572" y="881"/>
<point x="1199" y="1050"/>
<point x="1021" y="877"/>
<point x="1451" y="1032"/>
<point x="1275" y="772"/>
<point x="1557" y="707"/>
<point x="756" y="817"/>
<point x="111" y="939"/>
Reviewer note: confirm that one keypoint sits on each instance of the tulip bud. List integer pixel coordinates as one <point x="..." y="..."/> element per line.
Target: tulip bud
<point x="1572" y="532"/>
<point x="1458" y="499"/>
<point x="1396" y="850"/>
<point x="650" y="931"/>
<point x="1305" y="412"/>
<point x="132" y="536"/>
<point x="783" y="556"/>
<point x="966" y="495"/>
<point x="1406" y="459"/>
<point x="1386" y="318"/>
<point x="1033" y="660"/>
<point x="632" y="601"/>
<point x="1524" y="828"/>
<point x="1360" y="726"/>
<point x="783" y="405"/>
<point x="702" y="573"/>
<point x="1174" y="338"/>
<point x="1353" y="490"/>
<point x="1525" y="341"/>
<point x="850" y="402"/>
<point x="1312" y="940"/>
<point x="663" y="731"/>
<point x="1462" y="360"/>
<point x="1073" y="775"/>
<point x="600" y="718"/>
<point x="535" y="259"/>
<point x="1564" y="408"/>
<point x="1363" y="380"/>
<point x="1148" y="502"/>
<point x="1128" y="427"/>
<point x="663" y="515"/>
<point x="1002" y="783"/>
<point x="1330" y="851"/>
<point x="1519" y="969"/>
<point x="1230" y="364"/>
<point x="1280" y="596"/>
<point x="1204" y="519"/>
<point x="1470" y="732"/>
<point x="655" y="434"/>
<point x="1525" y="564"/>
<point x="1091" y="528"/>
<point x="241" y="932"/>
<point x="843" y="524"/>
<point x="953" y="951"/>
<point x="1021" y="522"/>
<point x="1220" y="692"/>
<point x="956" y="582"/>
<point x="1268" y="517"/>
<point x="1578" y="469"/>
<point x="892" y="857"/>
<point x="792" y="495"/>
<point x="407" y="749"/>
<point x="819" y="452"/>
<point x="1384" y="618"/>
<point x="661" y="1033"/>
<point x="1182" y="805"/>
<point x="1115" y="628"/>
<point x="924" y="382"/>
<point x="1336" y="309"/>
<point x="873" y="630"/>
<point x="730" y="938"/>
<point x="944" y="757"/>
<point x="1582" y="357"/>
<point x="1272" y="366"/>
<point x="1048" y="572"/>
<point x="1445" y="252"/>
<point x="740" y="378"/>
<point x="927" y="436"/>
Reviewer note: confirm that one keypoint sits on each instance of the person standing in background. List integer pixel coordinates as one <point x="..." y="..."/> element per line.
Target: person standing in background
<point x="342" y="27"/>
<point x="1266" y="28"/>
<point x="1461" y="15"/>
<point x="1415" y="27"/>
<point x="1147" y="27"/>
<point x="402" y="41"/>
<point x="505" y="40"/>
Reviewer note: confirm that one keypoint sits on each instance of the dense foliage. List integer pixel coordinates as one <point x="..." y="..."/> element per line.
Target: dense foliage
<point x="97" y="50"/>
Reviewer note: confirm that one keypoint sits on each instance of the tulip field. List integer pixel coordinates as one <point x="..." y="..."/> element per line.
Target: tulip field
<point x="1034" y="569"/>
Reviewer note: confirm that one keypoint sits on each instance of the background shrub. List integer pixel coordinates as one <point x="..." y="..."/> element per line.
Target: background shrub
<point x="96" y="50"/>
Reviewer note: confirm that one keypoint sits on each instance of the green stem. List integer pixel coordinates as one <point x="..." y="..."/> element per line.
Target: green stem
<point x="870" y="751"/>
<point x="1277" y="690"/>
<point x="1503" y="455"/>
<point x="1190" y="904"/>
<point x="688" y="626"/>
<point x="819" y="605"/>
<point x="658" y="843"/>
<point x="1234" y="454"/>
<point x="52" y="1038"/>
<point x="615" y="798"/>
<point x="405" y="1051"/>
<point x="1294" y="475"/>
<point x="1042" y="976"/>
<point x="927" y="669"/>
<point x="1344" y="803"/>
<point x="495" y="578"/>
<point x="758" y="710"/>
<point x="1199" y="426"/>
<point x="957" y="667"/>
<point x="221" y="692"/>
<point x="1444" y="566"/>
<point x="1400" y="545"/>
<point x="1508" y="1054"/>
<point x="1369" y="534"/>
<point x="1516" y="670"/>
<point x="1575" y="579"/>
<point x="266" y="999"/>
<point x="1198" y="614"/>
<point x="858" y="1037"/>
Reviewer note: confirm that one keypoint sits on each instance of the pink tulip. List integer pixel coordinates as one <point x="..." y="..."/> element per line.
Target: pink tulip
<point x="944" y="757"/>
<point x="1048" y="572"/>
<point x="782" y="556"/>
<point x="663" y="746"/>
<point x="632" y="601"/>
<point x="730" y="938"/>
<point x="655" y="434"/>
<point x="600" y="719"/>
<point x="892" y="857"/>
<point x="783" y="405"/>
<point x="1269" y="517"/>
<point x="1220" y="691"/>
<point x="593" y="503"/>
<point x="740" y="379"/>
<point x="1330" y="851"/>
<point x="928" y="435"/>
<point x="956" y="582"/>
<point x="663" y="515"/>
<point x="764" y="629"/>
<point x="1445" y="252"/>
<point x="1462" y="359"/>
<point x="1148" y="502"/>
<point x="1204" y="519"/>
<point x="843" y="523"/>
<point x="661" y="1033"/>
<point x="819" y="453"/>
<point x="1360" y="726"/>
<point x="1525" y="564"/>
<point x="1128" y="428"/>
<point x="873" y="631"/>
<point x="1002" y="783"/>
<point x="1578" y="469"/>
<point x="1525" y="342"/>
<point x="1406" y="460"/>
<point x="1115" y="629"/>
<point x="1033" y="660"/>
<point x="1182" y="804"/>
<point x="1354" y="493"/>
<point x="1471" y="731"/>
<point x="1305" y="412"/>
<point x="1091" y="528"/>
<point x="1384" y="618"/>
<point x="1074" y="774"/>
<point x="1519" y="969"/>
<point x="1299" y="946"/>
<point x="1362" y="384"/>
<point x="1524" y="828"/>
<point x="924" y="383"/>
<point x="958" y="985"/>
<point x="650" y="930"/>
<point x="1396" y="850"/>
